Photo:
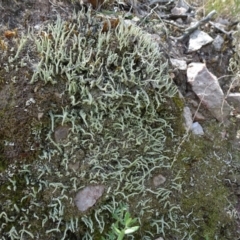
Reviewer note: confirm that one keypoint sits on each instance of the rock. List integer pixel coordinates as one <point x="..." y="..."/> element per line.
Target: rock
<point x="197" y="40"/>
<point x="206" y="87"/>
<point x="187" y="118"/>
<point x="218" y="42"/>
<point x="179" y="21"/>
<point x="40" y="115"/>
<point x="30" y="101"/>
<point x="88" y="196"/>
<point x="182" y="4"/>
<point x="234" y="100"/>
<point x="198" y="116"/>
<point x="158" y="180"/>
<point x="61" y="133"/>
<point x="179" y="11"/>
<point x="194" y="103"/>
<point x="223" y="21"/>
<point x="37" y="26"/>
<point x="197" y="129"/>
<point x="179" y="64"/>
<point x="221" y="26"/>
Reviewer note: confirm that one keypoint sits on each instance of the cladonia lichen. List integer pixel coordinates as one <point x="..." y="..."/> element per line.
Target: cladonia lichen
<point x="118" y="104"/>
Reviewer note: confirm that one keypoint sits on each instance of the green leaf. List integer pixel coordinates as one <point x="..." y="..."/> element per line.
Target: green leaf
<point x="131" y="230"/>
<point x="128" y="221"/>
<point x="127" y="216"/>
<point x="116" y="230"/>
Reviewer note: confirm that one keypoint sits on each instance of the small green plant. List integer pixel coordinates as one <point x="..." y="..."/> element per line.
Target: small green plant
<point x="123" y="224"/>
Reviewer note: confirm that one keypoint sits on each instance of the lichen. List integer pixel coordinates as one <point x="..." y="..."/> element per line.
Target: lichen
<point x="112" y="92"/>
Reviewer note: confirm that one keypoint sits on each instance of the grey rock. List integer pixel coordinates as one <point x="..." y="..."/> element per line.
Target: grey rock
<point x="206" y="87"/>
<point x="61" y="133"/>
<point x="197" y="40"/>
<point x="158" y="180"/>
<point x="234" y="100"/>
<point x="40" y="115"/>
<point x="187" y="118"/>
<point x="194" y="103"/>
<point x="30" y="101"/>
<point x="182" y="4"/>
<point x="223" y="21"/>
<point x="198" y="117"/>
<point x="179" y="64"/>
<point x="179" y="20"/>
<point x="218" y="42"/>
<point x="88" y="196"/>
<point x="197" y="129"/>
<point x="179" y="11"/>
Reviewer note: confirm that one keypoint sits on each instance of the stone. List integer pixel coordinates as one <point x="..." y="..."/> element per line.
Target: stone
<point x="218" y="43"/>
<point x="30" y="101"/>
<point x="158" y="180"/>
<point x="197" y="129"/>
<point x="194" y="103"/>
<point x="61" y="134"/>
<point x="197" y="40"/>
<point x="224" y="22"/>
<point x="198" y="116"/>
<point x="179" y="20"/>
<point x="179" y="64"/>
<point x="182" y="4"/>
<point x="88" y="196"/>
<point x="179" y="11"/>
<point x="187" y="115"/>
<point x="40" y="115"/>
<point x="207" y="88"/>
<point x="234" y="100"/>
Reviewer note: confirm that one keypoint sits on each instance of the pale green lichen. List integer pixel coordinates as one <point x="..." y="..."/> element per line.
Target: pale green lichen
<point x="120" y="106"/>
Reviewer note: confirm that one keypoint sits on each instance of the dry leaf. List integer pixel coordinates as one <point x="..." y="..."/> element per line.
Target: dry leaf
<point x="110" y="24"/>
<point x="3" y="45"/>
<point x="10" y="34"/>
<point x="94" y="3"/>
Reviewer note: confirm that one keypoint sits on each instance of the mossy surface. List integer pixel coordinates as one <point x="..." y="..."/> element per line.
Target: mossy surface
<point x="125" y="125"/>
<point x="206" y="162"/>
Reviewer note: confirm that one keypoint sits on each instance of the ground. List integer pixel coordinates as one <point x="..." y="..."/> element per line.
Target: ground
<point x="84" y="118"/>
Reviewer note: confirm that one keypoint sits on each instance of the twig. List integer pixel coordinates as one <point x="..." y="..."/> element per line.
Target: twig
<point x="1" y="5"/>
<point x="184" y="4"/>
<point x="160" y="1"/>
<point x="221" y="30"/>
<point x="55" y="5"/>
<point x="174" y="24"/>
<point x="191" y="29"/>
<point x="149" y="14"/>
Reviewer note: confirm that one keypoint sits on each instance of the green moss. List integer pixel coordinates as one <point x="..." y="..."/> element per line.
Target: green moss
<point x="205" y="199"/>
